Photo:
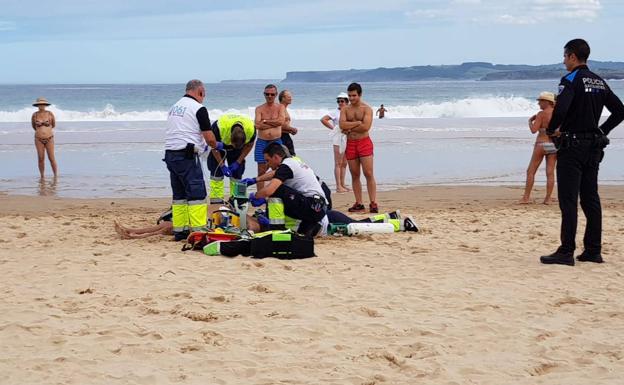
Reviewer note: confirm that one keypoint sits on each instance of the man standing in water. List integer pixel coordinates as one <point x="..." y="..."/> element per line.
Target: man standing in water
<point x="381" y="112"/>
<point x="285" y="99"/>
<point x="355" y="122"/>
<point x="269" y="119"/>
<point x="582" y="96"/>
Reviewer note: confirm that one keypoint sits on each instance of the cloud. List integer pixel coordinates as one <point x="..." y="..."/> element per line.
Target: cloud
<point x="421" y="14"/>
<point x="510" y="12"/>
<point x="7" y="26"/>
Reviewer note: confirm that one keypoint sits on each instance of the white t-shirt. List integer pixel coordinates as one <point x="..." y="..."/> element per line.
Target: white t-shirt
<point x="299" y="177"/>
<point x="337" y="137"/>
<point x="183" y="125"/>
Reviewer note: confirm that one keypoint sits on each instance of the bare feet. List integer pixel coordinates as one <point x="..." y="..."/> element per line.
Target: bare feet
<point x="341" y="190"/>
<point x="549" y="201"/>
<point x="524" y="201"/>
<point x="123" y="233"/>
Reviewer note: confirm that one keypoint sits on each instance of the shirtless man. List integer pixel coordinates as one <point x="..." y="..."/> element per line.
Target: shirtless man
<point x="355" y="122"/>
<point x="270" y="117"/>
<point x="381" y="112"/>
<point x="543" y="148"/>
<point x="285" y="99"/>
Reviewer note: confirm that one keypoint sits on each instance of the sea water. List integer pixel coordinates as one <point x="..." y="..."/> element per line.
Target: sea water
<point x="109" y="138"/>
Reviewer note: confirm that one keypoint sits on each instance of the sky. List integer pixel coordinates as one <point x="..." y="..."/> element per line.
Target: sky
<point x="158" y="41"/>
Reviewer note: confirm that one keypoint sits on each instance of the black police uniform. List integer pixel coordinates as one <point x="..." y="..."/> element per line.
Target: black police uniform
<point x="582" y="96"/>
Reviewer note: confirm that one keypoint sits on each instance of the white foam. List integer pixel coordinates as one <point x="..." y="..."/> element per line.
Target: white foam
<point x="478" y="107"/>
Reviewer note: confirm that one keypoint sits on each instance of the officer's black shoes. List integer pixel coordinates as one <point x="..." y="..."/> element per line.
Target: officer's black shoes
<point x="589" y="257"/>
<point x="558" y="258"/>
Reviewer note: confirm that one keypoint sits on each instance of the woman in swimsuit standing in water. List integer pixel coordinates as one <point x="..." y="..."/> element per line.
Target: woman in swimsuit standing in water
<point x="43" y="123"/>
<point x="544" y="147"/>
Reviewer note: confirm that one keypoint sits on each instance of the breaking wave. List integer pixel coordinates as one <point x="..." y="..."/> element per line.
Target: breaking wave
<point x="484" y="107"/>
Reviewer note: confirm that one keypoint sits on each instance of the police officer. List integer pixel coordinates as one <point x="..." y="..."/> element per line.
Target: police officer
<point x="581" y="141"/>
<point x="234" y="135"/>
<point x="188" y="129"/>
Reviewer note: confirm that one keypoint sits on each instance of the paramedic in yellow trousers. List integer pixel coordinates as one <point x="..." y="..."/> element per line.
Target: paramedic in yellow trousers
<point x="188" y="130"/>
<point x="237" y="133"/>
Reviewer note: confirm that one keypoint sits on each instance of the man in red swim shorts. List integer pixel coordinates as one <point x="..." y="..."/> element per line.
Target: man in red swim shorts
<point x="355" y="122"/>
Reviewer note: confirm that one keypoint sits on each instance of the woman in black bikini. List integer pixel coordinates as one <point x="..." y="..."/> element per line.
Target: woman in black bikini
<point x="43" y="123"/>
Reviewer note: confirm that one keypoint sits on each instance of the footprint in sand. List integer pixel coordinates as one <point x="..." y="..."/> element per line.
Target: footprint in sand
<point x="260" y="288"/>
<point x="542" y="369"/>
<point x="213" y="338"/>
<point x="370" y="312"/>
<point x="571" y="301"/>
<point x="221" y="298"/>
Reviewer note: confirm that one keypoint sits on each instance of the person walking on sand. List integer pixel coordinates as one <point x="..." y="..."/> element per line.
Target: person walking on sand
<point x="381" y="112"/>
<point x="582" y="139"/>
<point x="339" y="142"/>
<point x="43" y="122"/>
<point x="269" y="119"/>
<point x="544" y="147"/>
<point x="285" y="99"/>
<point x="356" y="120"/>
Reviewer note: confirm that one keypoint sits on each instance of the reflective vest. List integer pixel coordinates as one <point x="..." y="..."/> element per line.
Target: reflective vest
<point x="227" y="121"/>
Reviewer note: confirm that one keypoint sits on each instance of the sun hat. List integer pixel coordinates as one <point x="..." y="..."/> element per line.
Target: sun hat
<point x="41" y="101"/>
<point x="548" y="96"/>
<point x="342" y="95"/>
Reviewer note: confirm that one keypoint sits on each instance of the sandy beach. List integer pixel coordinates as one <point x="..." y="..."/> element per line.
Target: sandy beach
<point x="464" y="301"/>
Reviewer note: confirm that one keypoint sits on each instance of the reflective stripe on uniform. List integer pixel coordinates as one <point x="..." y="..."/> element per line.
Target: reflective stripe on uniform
<point x="379" y="218"/>
<point x="275" y="210"/>
<point x="397" y="224"/>
<point x="291" y="223"/>
<point x="197" y="213"/>
<point x="216" y="189"/>
<point x="232" y="188"/>
<point x="180" y="215"/>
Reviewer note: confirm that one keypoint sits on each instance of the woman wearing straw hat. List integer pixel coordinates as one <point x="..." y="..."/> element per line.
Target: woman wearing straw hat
<point x="43" y="123"/>
<point x="339" y="141"/>
<point x="544" y="147"/>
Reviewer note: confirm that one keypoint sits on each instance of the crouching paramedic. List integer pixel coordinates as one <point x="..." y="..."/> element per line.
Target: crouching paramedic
<point x="234" y="137"/>
<point x="293" y="192"/>
<point x="188" y="129"/>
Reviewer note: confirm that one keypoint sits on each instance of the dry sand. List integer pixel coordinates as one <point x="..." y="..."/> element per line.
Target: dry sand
<point x="465" y="301"/>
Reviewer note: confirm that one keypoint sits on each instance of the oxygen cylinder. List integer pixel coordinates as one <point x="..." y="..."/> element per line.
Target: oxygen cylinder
<point x="369" y="228"/>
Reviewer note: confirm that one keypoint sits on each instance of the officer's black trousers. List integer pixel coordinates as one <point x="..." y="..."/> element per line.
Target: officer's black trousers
<point x="577" y="175"/>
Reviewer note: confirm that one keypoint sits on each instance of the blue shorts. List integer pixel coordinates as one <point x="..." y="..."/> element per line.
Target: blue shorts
<point x="261" y="144"/>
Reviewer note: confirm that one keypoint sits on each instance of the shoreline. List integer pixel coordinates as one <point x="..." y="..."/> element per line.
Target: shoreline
<point x="420" y="197"/>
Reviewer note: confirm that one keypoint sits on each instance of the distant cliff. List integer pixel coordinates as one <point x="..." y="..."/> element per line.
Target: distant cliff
<point x="464" y="71"/>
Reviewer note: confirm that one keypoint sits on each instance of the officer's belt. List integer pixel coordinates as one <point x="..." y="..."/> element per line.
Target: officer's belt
<point x="581" y="135"/>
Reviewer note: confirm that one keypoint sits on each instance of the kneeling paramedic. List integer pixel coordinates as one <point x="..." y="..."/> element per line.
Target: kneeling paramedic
<point x="293" y="192"/>
<point x="234" y="137"/>
<point x="188" y="129"/>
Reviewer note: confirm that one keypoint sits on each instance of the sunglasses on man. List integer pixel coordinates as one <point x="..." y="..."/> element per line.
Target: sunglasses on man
<point x="269" y="94"/>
